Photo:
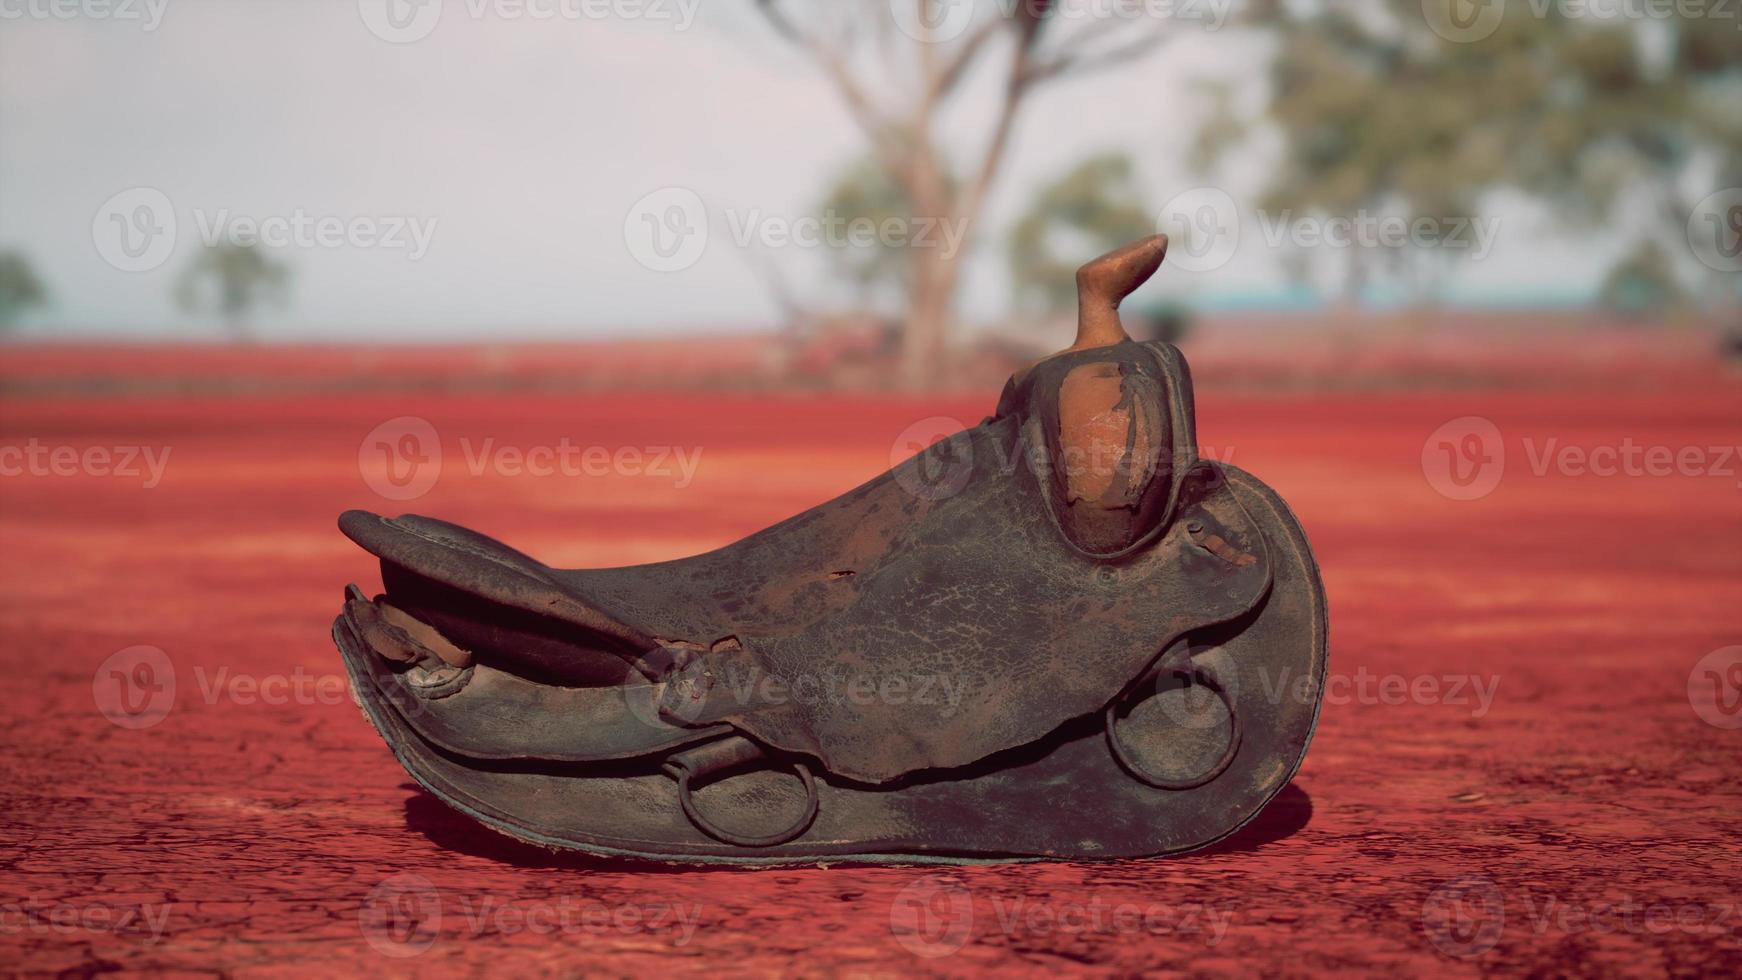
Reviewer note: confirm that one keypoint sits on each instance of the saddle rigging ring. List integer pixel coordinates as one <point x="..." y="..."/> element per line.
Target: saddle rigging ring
<point x="1198" y="675"/>
<point x="706" y="826"/>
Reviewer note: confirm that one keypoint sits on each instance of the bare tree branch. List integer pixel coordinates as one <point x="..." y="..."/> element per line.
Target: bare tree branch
<point x="962" y="60"/>
<point x="833" y="61"/>
<point x="1086" y="58"/>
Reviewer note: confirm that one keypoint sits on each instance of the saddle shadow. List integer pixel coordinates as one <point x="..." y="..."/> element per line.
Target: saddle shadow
<point x="1287" y="815"/>
<point x="451" y="830"/>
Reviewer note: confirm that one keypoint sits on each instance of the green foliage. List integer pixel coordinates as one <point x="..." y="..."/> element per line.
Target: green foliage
<point x="232" y="281"/>
<point x="1643" y="284"/>
<point x="1583" y="114"/>
<point x="1097" y="207"/>
<point x="864" y="191"/>
<point x="20" y="289"/>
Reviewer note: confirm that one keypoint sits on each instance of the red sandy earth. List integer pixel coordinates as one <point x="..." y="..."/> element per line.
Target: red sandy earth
<point x="1586" y="821"/>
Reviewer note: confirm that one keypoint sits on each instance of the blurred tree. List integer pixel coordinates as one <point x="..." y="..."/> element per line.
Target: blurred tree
<point x="865" y="193"/>
<point x="20" y="289"/>
<point x="898" y="66"/>
<point x="1643" y="284"/>
<point x="232" y="281"/>
<point x="1599" y="118"/>
<point x="1094" y="208"/>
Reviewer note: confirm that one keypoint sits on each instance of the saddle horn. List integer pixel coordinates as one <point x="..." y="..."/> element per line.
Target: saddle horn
<point x="1103" y="282"/>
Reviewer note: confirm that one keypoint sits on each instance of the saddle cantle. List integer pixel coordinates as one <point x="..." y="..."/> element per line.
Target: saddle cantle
<point x="1057" y="634"/>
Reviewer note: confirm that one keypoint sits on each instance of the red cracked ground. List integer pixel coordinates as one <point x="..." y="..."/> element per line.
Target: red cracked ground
<point x="1509" y="776"/>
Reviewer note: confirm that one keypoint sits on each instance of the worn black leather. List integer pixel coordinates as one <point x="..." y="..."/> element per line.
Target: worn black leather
<point x="958" y="660"/>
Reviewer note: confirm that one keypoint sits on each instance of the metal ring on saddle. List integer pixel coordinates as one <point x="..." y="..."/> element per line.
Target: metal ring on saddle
<point x="1136" y="770"/>
<point x="703" y="824"/>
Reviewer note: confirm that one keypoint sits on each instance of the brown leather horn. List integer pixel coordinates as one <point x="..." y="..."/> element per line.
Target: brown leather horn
<point x="1103" y="282"/>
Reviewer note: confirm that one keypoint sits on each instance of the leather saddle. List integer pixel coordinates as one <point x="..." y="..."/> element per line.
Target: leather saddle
<point x="1057" y="634"/>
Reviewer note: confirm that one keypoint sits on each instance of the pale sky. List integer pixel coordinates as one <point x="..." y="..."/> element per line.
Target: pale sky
<point x="500" y="161"/>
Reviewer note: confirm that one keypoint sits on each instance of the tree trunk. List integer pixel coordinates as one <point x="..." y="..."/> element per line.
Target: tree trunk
<point x="931" y="297"/>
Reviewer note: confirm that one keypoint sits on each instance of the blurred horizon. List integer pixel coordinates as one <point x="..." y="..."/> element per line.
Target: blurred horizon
<point x="514" y="152"/>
